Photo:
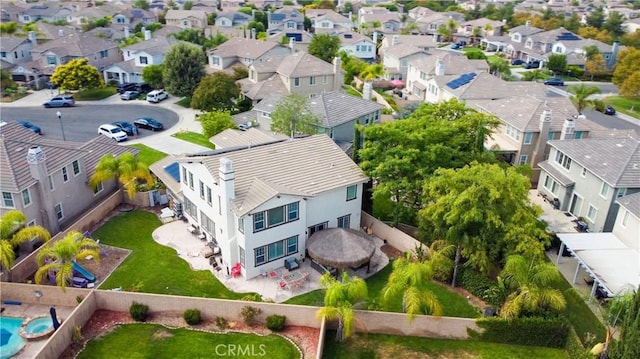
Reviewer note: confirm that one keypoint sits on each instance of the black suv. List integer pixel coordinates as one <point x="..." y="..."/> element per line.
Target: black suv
<point x="532" y="65"/>
<point x="143" y="88"/>
<point x="122" y="88"/>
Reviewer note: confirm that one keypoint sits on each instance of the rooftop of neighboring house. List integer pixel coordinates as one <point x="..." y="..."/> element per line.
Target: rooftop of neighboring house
<point x="75" y="44"/>
<point x="403" y="50"/>
<point x="157" y="45"/>
<point x="415" y="40"/>
<point x="615" y="160"/>
<point x="440" y="17"/>
<point x="15" y="141"/>
<point x="552" y="36"/>
<point x="8" y="43"/>
<point x="454" y="64"/>
<point x="302" y="64"/>
<point x="97" y="12"/>
<point x="353" y="37"/>
<point x="476" y="88"/>
<point x="318" y="14"/>
<point x="287" y="13"/>
<point x="183" y="14"/>
<point x="235" y="16"/>
<point x="631" y="203"/>
<point x="525" y="30"/>
<point x="581" y="44"/>
<point x="282" y="168"/>
<point x="251" y="137"/>
<point x="262" y="89"/>
<point x="243" y="48"/>
<point x="381" y="17"/>
<point x="482" y="23"/>
<point x="419" y="11"/>
<point x="44" y="10"/>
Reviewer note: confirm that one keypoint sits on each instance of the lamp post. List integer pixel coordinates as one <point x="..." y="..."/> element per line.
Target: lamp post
<point x="59" y="114"/>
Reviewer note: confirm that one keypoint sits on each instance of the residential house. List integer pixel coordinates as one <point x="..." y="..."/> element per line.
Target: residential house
<point x="627" y="225"/>
<point x="299" y="73"/>
<point x="232" y="138"/>
<point x="396" y="60"/>
<point x="589" y="176"/>
<point x="425" y="43"/>
<point x="576" y="49"/>
<point x="419" y="11"/>
<point x="337" y="113"/>
<point x="471" y="31"/>
<point x="84" y="15"/>
<point x="631" y="26"/>
<point x="390" y="22"/>
<point x="284" y="19"/>
<point x="429" y="23"/>
<point x="47" y="180"/>
<point x="626" y="11"/>
<point x="187" y="19"/>
<point x="261" y="203"/>
<point x="138" y="56"/>
<point x="541" y="43"/>
<point x="326" y="20"/>
<point x="301" y="38"/>
<point x="132" y="17"/>
<point x="233" y="19"/>
<point x="439" y="63"/>
<point x="11" y="12"/>
<point x="48" y="13"/>
<point x="244" y="52"/>
<point x="358" y="45"/>
<point x="518" y="36"/>
<point x="15" y="50"/>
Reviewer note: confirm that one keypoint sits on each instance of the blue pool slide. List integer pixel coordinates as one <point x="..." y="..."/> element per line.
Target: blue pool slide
<point x="83" y="272"/>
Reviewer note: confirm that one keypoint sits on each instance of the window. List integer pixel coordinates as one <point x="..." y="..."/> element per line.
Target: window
<point x="209" y="200"/>
<point x="7" y="199"/>
<point x="312" y="80"/>
<point x="201" y="187"/>
<point x="578" y="135"/>
<point x="120" y="20"/>
<point x="51" y="60"/>
<point x="550" y="184"/>
<point x="190" y="180"/>
<point x="65" y="175"/>
<point x="352" y="192"/>
<point x="104" y="53"/>
<point x="325" y="79"/>
<point x="592" y="213"/>
<point x="185" y="23"/>
<point x="563" y="160"/>
<point x="76" y="168"/>
<point x="258" y="221"/>
<point x="344" y="221"/>
<point x="241" y="254"/>
<point x="51" y="184"/>
<point x="207" y="224"/>
<point x="241" y="224"/>
<point x="292" y="212"/>
<point x="144" y="60"/>
<point x="98" y="189"/>
<point x="523" y="159"/>
<point x="528" y="136"/>
<point x="317" y="227"/>
<point x="513" y="132"/>
<point x="184" y="175"/>
<point x="260" y="256"/>
<point x="215" y="60"/>
<point x="625" y="218"/>
<point x="190" y="208"/>
<point x="26" y="198"/>
<point x="292" y="245"/>
<point x="59" y="212"/>
<point x="219" y="205"/>
<point x="275" y="216"/>
<point x="584" y="172"/>
<point x="296" y="81"/>
<point x="276" y="250"/>
<point x="621" y="192"/>
<point x="550" y="136"/>
<point x="604" y="190"/>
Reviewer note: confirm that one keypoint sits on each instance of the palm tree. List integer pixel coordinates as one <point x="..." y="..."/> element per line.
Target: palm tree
<point x="409" y="278"/>
<point x="531" y="281"/>
<point x="581" y="95"/>
<point x="339" y="298"/>
<point x="13" y="232"/>
<point x="60" y="256"/>
<point x="372" y="71"/>
<point x="500" y="67"/>
<point x="126" y="168"/>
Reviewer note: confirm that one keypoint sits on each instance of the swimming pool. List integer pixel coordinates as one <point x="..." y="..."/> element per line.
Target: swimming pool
<point x="10" y="341"/>
<point x="37" y="328"/>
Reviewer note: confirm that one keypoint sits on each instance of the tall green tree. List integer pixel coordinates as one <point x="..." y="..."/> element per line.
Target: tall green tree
<point x="293" y="116"/>
<point x="126" y="169"/>
<point x="500" y="67"/>
<point x="153" y="76"/>
<point x="531" y="281"/>
<point x="8" y="28"/>
<point x="217" y="91"/>
<point x="484" y="211"/>
<point x="628" y="344"/>
<point x="613" y="24"/>
<point x="400" y="155"/>
<point x="628" y="64"/>
<point x="557" y="63"/>
<point x="215" y="122"/>
<point x="371" y="72"/>
<point x="60" y="256"/>
<point x="580" y="95"/>
<point x="339" y="298"/>
<point x="409" y="280"/>
<point x="77" y="74"/>
<point x="324" y="46"/>
<point x="183" y="69"/>
<point x="13" y="232"/>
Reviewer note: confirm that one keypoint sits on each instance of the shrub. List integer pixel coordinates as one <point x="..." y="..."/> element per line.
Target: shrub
<point x="542" y="332"/>
<point x="76" y="337"/>
<point x="474" y="282"/>
<point x="222" y="323"/>
<point x="249" y="314"/>
<point x="79" y="299"/>
<point x="276" y="322"/>
<point x="192" y="316"/>
<point x="139" y="312"/>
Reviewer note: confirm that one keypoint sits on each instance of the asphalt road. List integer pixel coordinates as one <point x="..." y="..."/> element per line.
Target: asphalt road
<point x="81" y="122"/>
<point x="612" y="122"/>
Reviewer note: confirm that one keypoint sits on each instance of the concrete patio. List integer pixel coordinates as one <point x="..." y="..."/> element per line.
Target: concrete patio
<point x="189" y="247"/>
<point x="558" y="221"/>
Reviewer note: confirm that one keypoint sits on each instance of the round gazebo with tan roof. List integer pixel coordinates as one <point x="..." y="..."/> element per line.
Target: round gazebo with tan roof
<point x="340" y="248"/>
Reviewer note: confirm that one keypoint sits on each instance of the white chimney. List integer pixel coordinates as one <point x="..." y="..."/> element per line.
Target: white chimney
<point x="375" y="38"/>
<point x="568" y="129"/>
<point x="61" y="32"/>
<point x="528" y="24"/>
<point x="147" y="35"/>
<point x="394" y="40"/>
<point x="227" y="179"/>
<point x="541" y="144"/>
<point x="38" y="168"/>
<point x="435" y="38"/>
<point x="253" y="33"/>
<point x="367" y="90"/>
<point x="32" y="37"/>
<point x="292" y="44"/>
<point x="127" y="32"/>
<point x="338" y="78"/>
<point x="440" y="68"/>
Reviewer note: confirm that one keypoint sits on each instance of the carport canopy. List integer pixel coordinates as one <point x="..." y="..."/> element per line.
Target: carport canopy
<point x="612" y="265"/>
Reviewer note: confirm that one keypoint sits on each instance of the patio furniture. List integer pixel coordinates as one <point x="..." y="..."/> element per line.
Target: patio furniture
<point x="202" y="236"/>
<point x="236" y="270"/>
<point x="206" y="252"/>
<point x="272" y="273"/>
<point x="192" y="229"/>
<point x="291" y="264"/>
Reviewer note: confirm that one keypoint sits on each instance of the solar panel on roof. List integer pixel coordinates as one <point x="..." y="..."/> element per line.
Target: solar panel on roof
<point x="348" y="36"/>
<point x="297" y="37"/>
<point x="173" y="170"/>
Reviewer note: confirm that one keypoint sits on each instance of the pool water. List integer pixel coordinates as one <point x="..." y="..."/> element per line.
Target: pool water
<point x="10" y="341"/>
<point x="39" y="326"/>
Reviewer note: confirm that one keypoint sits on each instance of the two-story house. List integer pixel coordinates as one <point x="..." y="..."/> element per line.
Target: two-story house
<point x="358" y="45"/>
<point x="325" y="20"/>
<point x="84" y="15"/>
<point x="588" y="177"/>
<point x="283" y="19"/>
<point x="133" y="17"/>
<point x="390" y="22"/>
<point x="428" y="24"/>
<point x="396" y="60"/>
<point x="473" y="30"/>
<point x="299" y="73"/>
<point x="338" y="113"/>
<point x="425" y="43"/>
<point x="47" y="179"/>
<point x="577" y="50"/>
<point x="245" y="52"/>
<point x="16" y="50"/>
<point x="233" y="19"/>
<point x="518" y="36"/>
<point x="261" y="203"/>
<point x="48" y="13"/>
<point x="186" y="19"/>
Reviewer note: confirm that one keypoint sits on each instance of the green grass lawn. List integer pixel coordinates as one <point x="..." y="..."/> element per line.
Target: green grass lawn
<point x="353" y="92"/>
<point x="149" y="155"/>
<point x="625" y="105"/>
<point x="453" y="304"/>
<point x="155" y="341"/>
<point x="156" y="267"/>
<point x="184" y="102"/>
<point x="390" y="346"/>
<point x="94" y="94"/>
<point x="194" y="137"/>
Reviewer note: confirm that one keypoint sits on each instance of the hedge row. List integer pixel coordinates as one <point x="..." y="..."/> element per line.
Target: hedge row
<point x="540" y="332"/>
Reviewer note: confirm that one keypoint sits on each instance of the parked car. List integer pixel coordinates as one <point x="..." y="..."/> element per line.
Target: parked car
<point x="130" y="95"/>
<point x="516" y="62"/>
<point x="122" y="88"/>
<point x="144" y="88"/>
<point x="60" y="101"/>
<point x="31" y="126"/>
<point x="127" y="127"/>
<point x="113" y="132"/>
<point x="148" y="123"/>
<point x="157" y="96"/>
<point x="606" y="109"/>
<point x="554" y="81"/>
<point x="532" y="65"/>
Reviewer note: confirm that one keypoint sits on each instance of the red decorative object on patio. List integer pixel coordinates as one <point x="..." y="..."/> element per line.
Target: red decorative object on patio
<point x="236" y="270"/>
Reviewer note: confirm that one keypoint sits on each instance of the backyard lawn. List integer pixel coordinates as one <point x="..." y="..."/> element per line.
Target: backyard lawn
<point x="453" y="304"/>
<point x="152" y="267"/>
<point x="390" y="346"/>
<point x="148" y="155"/>
<point x="155" y="341"/>
<point x="194" y="137"/>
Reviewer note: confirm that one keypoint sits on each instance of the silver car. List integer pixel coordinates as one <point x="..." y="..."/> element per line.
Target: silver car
<point x="60" y="101"/>
<point x="130" y="95"/>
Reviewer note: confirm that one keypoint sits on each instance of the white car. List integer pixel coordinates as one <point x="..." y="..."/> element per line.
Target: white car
<point x="113" y="132"/>
<point x="157" y="96"/>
